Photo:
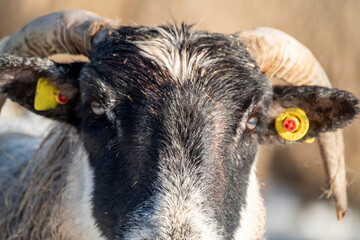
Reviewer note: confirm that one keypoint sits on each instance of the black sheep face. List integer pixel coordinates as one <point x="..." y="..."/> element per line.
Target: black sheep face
<point x="171" y="120"/>
<point x="147" y="119"/>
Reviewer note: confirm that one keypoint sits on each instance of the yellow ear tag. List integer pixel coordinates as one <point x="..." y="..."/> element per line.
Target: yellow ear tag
<point x="293" y="124"/>
<point x="46" y="95"/>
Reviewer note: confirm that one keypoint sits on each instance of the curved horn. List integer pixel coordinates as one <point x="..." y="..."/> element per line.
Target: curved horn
<point x="281" y="57"/>
<point x="71" y="31"/>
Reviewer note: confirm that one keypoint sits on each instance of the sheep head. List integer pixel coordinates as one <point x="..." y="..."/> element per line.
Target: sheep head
<point x="158" y="106"/>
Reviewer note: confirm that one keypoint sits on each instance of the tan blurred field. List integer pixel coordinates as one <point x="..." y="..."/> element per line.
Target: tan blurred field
<point x="330" y="28"/>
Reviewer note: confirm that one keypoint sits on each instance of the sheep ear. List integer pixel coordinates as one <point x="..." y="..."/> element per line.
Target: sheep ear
<point x="42" y="86"/>
<point x="301" y="113"/>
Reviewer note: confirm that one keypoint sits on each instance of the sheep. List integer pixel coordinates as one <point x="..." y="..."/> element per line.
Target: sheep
<point x="157" y="134"/>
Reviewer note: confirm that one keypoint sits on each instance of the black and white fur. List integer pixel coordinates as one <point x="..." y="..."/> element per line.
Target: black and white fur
<point x="170" y="120"/>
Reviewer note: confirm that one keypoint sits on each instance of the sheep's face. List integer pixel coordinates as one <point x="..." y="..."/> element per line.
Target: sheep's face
<point x="168" y="119"/>
<point x="171" y="121"/>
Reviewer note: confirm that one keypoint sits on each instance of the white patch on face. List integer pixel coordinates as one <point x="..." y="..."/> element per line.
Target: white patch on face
<point x="252" y="222"/>
<point x="78" y="222"/>
<point x="178" y="211"/>
<point x="165" y="51"/>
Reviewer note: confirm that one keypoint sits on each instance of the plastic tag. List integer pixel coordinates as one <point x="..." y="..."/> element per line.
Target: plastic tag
<point x="293" y="124"/>
<point x="46" y="95"/>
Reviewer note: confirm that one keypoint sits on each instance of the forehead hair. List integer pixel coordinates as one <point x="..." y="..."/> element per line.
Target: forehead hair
<point x="154" y="61"/>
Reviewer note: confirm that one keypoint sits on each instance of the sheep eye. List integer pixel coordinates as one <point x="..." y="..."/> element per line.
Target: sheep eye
<point x="97" y="108"/>
<point x="252" y="123"/>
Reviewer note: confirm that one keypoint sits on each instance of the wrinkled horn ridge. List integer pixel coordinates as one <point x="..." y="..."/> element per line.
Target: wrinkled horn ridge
<point x="281" y="57"/>
<point x="71" y="31"/>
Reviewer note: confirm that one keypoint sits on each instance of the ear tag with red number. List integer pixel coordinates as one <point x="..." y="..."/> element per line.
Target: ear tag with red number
<point x="293" y="125"/>
<point x="47" y="96"/>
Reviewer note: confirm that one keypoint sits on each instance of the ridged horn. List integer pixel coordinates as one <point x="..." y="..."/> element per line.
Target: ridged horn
<point x="71" y="31"/>
<point x="281" y="57"/>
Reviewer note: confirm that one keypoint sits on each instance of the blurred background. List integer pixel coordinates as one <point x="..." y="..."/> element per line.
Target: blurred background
<point x="292" y="177"/>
